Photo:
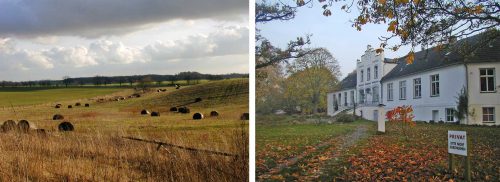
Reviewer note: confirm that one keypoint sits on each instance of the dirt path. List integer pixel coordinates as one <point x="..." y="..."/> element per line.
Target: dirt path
<point x="314" y="165"/>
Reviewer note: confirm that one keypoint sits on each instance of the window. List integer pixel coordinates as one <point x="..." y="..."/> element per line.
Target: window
<point x="352" y="97"/>
<point x="361" y="75"/>
<point x="434" y="85"/>
<point x="417" y="88"/>
<point x="367" y="74"/>
<point x="402" y="90"/>
<point x="375" y="72"/>
<point x="450" y="114"/>
<point x="345" y="98"/>
<point x="488" y="114"/>
<point x="389" y="92"/>
<point x="361" y="96"/>
<point x="375" y="94"/>
<point x="487" y="79"/>
<point x="340" y="99"/>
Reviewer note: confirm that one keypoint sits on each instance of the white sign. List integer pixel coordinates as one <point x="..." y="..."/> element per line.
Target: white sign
<point x="457" y="142"/>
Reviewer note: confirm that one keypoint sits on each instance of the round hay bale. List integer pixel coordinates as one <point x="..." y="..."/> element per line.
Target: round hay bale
<point x="58" y="106"/>
<point x="184" y="110"/>
<point x="57" y="117"/>
<point x="87" y="105"/>
<point x="173" y="109"/>
<point x="78" y="104"/>
<point x="136" y="95"/>
<point x="66" y="126"/>
<point x="197" y="99"/>
<point x="145" y="112"/>
<point x="24" y="126"/>
<point x="197" y="116"/>
<point x="9" y="125"/>
<point x="158" y="90"/>
<point x="70" y="106"/>
<point x="155" y="114"/>
<point x="214" y="114"/>
<point x="163" y="90"/>
<point x="245" y="116"/>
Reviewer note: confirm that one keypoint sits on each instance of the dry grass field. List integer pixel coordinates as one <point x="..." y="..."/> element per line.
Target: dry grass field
<point x="97" y="151"/>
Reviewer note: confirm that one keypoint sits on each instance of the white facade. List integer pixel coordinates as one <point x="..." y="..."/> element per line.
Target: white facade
<point x="370" y="70"/>
<point x="432" y="93"/>
<point x="340" y="100"/>
<point x="479" y="99"/>
<point x="426" y="106"/>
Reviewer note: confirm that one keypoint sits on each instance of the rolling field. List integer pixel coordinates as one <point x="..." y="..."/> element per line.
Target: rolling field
<point x="97" y="151"/>
<point x="31" y="96"/>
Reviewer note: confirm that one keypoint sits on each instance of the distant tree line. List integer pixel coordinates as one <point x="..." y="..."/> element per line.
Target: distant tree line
<point x="98" y="80"/>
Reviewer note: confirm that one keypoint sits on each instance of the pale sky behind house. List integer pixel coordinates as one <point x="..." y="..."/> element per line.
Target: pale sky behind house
<point x="49" y="39"/>
<point x="334" y="33"/>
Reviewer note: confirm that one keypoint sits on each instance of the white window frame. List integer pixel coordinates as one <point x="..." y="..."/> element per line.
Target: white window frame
<point x="492" y="114"/>
<point x="390" y="92"/>
<point x="487" y="77"/>
<point x="417" y="88"/>
<point x="402" y="90"/>
<point x="434" y="81"/>
<point x="450" y="113"/>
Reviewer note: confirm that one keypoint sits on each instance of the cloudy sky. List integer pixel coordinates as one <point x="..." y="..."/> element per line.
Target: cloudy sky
<point x="49" y="39"/>
<point x="334" y="33"/>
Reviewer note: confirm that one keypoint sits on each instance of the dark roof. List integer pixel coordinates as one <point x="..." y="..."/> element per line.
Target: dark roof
<point x="390" y="60"/>
<point x="349" y="81"/>
<point x="484" y="47"/>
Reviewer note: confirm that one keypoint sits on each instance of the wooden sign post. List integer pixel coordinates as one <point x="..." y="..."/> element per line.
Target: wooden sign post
<point x="458" y="144"/>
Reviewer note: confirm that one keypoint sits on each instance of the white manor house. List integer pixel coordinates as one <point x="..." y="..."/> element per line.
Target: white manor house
<point x="430" y="85"/>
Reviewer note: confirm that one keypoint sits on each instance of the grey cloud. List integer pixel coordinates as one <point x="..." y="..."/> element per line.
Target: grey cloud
<point x="95" y="18"/>
<point x="226" y="41"/>
<point x="20" y="59"/>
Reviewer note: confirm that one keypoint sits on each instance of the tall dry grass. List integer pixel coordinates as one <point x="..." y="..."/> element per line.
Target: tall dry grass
<point x="109" y="157"/>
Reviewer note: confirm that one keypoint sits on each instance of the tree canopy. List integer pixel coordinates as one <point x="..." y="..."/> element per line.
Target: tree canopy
<point x="415" y="23"/>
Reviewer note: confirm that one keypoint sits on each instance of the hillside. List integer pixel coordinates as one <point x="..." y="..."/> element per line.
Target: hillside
<point x="213" y="94"/>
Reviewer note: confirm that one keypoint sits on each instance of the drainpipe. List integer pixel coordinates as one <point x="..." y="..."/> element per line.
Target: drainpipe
<point x="467" y="91"/>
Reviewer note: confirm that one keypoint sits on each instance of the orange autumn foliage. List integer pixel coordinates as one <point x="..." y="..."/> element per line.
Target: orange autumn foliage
<point x="401" y="114"/>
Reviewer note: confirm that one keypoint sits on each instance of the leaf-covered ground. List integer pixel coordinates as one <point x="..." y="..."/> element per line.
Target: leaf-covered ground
<point x="334" y="152"/>
<point x="301" y="152"/>
<point x="423" y="156"/>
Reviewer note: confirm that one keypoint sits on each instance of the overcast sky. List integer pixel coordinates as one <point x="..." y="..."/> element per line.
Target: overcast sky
<point x="334" y="33"/>
<point x="49" y="39"/>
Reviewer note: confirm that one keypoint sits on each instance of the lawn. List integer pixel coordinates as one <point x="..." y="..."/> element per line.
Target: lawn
<point x="96" y="151"/>
<point x="31" y="96"/>
<point x="287" y="150"/>
<point x="423" y="156"/>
